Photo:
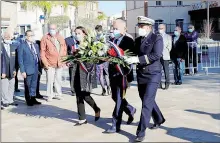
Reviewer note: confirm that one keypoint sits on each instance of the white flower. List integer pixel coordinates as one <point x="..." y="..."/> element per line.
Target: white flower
<point x="90" y="52"/>
<point x="101" y="53"/>
<point x="81" y="52"/>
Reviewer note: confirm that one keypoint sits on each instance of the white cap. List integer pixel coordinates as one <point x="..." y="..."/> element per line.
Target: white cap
<point x="145" y="20"/>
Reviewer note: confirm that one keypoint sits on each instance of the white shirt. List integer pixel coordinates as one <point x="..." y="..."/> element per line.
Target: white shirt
<point x="35" y="52"/>
<point x="7" y="48"/>
<point x="119" y="40"/>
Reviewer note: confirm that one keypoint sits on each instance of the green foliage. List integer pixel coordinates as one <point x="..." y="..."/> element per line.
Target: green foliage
<point x="61" y="21"/>
<point x="102" y="17"/>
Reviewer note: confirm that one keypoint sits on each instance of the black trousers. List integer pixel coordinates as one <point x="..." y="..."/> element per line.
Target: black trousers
<point x="82" y="96"/>
<point x="16" y="80"/>
<point x="121" y="105"/>
<point x="165" y="64"/>
<point x="38" y="85"/>
<point x="191" y="57"/>
<point x="70" y="74"/>
<point x="147" y="93"/>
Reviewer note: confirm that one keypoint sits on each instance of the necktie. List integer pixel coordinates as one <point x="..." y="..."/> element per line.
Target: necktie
<point x="35" y="55"/>
<point x="116" y="41"/>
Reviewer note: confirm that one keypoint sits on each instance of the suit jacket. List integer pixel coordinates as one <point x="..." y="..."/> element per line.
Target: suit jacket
<point x="127" y="43"/>
<point x="9" y="64"/>
<point x="69" y="43"/>
<point x="149" y="51"/>
<point x="26" y="58"/>
<point x="179" y="49"/>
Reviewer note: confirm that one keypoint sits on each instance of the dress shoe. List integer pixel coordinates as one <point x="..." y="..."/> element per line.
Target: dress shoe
<point x="178" y="83"/>
<point x="139" y="139"/>
<point x="79" y="124"/>
<point x="103" y="92"/>
<point x="17" y="90"/>
<point x="34" y="101"/>
<point x="166" y="85"/>
<point x="131" y="118"/>
<point x="39" y="96"/>
<point x="13" y="104"/>
<point x="2" y="108"/>
<point x="5" y="105"/>
<point x="97" y="115"/>
<point x="112" y="130"/>
<point x="156" y="126"/>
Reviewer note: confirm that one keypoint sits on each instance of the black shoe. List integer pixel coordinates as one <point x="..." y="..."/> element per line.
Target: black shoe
<point x="178" y="83"/>
<point x="97" y="115"/>
<point x="2" y="108"/>
<point x="39" y="96"/>
<point x="17" y="90"/>
<point x="103" y="92"/>
<point x="34" y="101"/>
<point x="156" y="126"/>
<point x="112" y="130"/>
<point x="79" y="124"/>
<point x="131" y="118"/>
<point x="13" y="104"/>
<point x="139" y="139"/>
<point x="5" y="105"/>
<point x="167" y="85"/>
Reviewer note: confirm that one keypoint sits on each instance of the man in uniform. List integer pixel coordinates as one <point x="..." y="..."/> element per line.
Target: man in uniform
<point x="149" y="48"/>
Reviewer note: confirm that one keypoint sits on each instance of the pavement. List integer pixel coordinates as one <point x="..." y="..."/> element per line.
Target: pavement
<point x="191" y="110"/>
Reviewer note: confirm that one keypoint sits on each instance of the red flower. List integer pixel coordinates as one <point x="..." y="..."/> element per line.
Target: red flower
<point x="113" y="53"/>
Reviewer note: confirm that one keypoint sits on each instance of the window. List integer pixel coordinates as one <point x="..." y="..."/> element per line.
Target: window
<point x="22" y="30"/>
<point x="157" y="23"/>
<point x="179" y="22"/>
<point x="179" y="2"/>
<point x="28" y="27"/>
<point x="158" y="3"/>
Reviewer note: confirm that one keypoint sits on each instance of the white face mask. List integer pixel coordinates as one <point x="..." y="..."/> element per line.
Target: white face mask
<point x="8" y="41"/>
<point x="161" y="31"/>
<point x="78" y="37"/>
<point x="142" y="32"/>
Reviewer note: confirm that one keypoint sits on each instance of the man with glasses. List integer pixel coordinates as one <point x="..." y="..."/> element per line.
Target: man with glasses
<point x="167" y="46"/>
<point x="29" y="60"/>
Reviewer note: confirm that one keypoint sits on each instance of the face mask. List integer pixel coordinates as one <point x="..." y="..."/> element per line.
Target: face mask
<point x="117" y="34"/>
<point x="53" y="32"/>
<point x="161" y="31"/>
<point x="176" y="33"/>
<point x="78" y="37"/>
<point x="73" y="34"/>
<point x="190" y="30"/>
<point x="142" y="32"/>
<point x="8" y="41"/>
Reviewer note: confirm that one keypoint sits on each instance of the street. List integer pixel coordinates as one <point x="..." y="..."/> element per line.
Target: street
<point x="191" y="110"/>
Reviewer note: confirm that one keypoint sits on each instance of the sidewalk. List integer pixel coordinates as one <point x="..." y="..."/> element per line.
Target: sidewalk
<point x="192" y="113"/>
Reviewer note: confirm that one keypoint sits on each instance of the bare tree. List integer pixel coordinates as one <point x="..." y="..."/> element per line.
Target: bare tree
<point x="207" y="28"/>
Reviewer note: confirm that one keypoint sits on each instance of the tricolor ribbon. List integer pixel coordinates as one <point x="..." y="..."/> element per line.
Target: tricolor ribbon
<point x="119" y="69"/>
<point x="88" y="76"/>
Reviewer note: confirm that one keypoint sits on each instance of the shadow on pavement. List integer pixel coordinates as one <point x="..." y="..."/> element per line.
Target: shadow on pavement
<point x="192" y="135"/>
<point x="214" y="116"/>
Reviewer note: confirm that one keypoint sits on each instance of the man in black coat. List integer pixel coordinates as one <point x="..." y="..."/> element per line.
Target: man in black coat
<point x="178" y="54"/>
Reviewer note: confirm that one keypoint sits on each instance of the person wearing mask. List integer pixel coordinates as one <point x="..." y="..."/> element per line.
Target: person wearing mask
<point x="191" y="36"/>
<point x="29" y="59"/>
<point x="82" y="85"/>
<point x="102" y="69"/>
<point x="178" y="54"/>
<point x="116" y="79"/>
<point x="167" y="46"/>
<point x="53" y="48"/>
<point x="111" y="35"/>
<point x="71" y="49"/>
<point x="8" y="70"/>
<point x="149" y="52"/>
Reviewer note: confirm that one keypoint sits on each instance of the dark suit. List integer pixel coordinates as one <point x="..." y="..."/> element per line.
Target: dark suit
<point x="29" y="63"/>
<point x="149" y="51"/>
<point x="115" y="77"/>
<point x="39" y="75"/>
<point x="70" y="42"/>
<point x="8" y="67"/>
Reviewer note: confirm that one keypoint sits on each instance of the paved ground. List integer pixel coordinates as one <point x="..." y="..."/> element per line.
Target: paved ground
<point x="192" y="113"/>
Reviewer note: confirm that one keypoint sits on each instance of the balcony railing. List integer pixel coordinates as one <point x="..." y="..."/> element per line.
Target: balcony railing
<point x="203" y="5"/>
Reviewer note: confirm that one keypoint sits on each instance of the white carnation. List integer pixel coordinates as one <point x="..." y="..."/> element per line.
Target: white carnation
<point x="90" y="52"/>
<point x="81" y="52"/>
<point x="101" y="53"/>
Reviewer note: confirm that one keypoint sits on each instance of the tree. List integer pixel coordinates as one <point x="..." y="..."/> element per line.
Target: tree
<point x="46" y="7"/>
<point x="61" y="21"/>
<point x="102" y="17"/>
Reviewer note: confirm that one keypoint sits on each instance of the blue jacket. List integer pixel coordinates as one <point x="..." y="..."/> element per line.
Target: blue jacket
<point x="9" y="64"/>
<point x="26" y="58"/>
<point x="69" y="43"/>
<point x="149" y="51"/>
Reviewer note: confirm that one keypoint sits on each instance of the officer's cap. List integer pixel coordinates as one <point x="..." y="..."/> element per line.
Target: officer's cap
<point x="144" y="20"/>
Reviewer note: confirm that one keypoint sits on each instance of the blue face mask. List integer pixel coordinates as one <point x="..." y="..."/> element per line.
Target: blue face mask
<point x="190" y="30"/>
<point x="52" y="32"/>
<point x="117" y="34"/>
<point x="8" y="41"/>
<point x="176" y="33"/>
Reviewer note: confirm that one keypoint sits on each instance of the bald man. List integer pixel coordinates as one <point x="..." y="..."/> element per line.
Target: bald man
<point x="53" y="47"/>
<point x="121" y="104"/>
<point x="8" y="69"/>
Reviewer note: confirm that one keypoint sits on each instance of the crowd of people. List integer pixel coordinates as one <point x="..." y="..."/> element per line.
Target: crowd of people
<point x="153" y="51"/>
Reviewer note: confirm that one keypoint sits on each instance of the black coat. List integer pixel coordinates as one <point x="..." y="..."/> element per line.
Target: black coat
<point x="126" y="43"/>
<point x="179" y="49"/>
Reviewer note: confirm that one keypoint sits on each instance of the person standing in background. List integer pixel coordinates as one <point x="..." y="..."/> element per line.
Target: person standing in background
<point x="167" y="46"/>
<point x="71" y="49"/>
<point x="53" y="48"/>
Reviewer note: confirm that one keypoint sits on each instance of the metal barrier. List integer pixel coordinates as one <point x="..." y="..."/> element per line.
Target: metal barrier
<point x="205" y="55"/>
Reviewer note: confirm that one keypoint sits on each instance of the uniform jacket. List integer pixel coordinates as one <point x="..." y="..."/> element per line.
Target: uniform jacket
<point x="126" y="43"/>
<point x="9" y="64"/>
<point x="179" y="49"/>
<point x="26" y="58"/>
<point x="167" y="46"/>
<point x="49" y="54"/>
<point x="149" y="51"/>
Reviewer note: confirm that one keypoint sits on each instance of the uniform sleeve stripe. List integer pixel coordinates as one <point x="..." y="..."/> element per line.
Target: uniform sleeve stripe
<point x="146" y="58"/>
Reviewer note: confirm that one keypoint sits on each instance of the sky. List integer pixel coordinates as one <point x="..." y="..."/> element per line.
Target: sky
<point x="111" y="7"/>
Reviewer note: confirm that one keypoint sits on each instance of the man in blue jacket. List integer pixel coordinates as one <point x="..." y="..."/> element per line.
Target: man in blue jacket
<point x="149" y="49"/>
<point x="29" y="60"/>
